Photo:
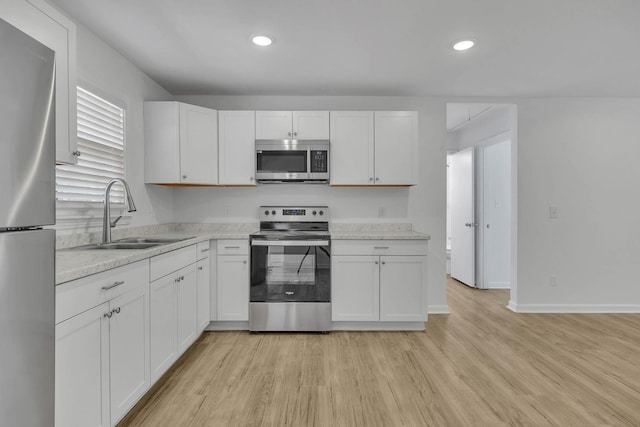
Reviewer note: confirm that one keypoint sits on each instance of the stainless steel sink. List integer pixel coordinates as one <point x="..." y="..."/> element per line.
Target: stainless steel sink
<point x="155" y="240"/>
<point x="118" y="245"/>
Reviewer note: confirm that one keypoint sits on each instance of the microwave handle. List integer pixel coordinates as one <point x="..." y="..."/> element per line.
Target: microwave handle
<point x="308" y="162"/>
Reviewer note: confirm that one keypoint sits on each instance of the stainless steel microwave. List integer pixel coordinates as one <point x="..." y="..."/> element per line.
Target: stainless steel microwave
<point x="290" y="160"/>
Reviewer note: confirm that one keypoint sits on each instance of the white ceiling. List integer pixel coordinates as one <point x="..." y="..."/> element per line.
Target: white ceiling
<point x="376" y="47"/>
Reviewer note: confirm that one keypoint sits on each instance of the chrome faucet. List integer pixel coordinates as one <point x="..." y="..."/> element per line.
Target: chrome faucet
<point x="107" y="224"/>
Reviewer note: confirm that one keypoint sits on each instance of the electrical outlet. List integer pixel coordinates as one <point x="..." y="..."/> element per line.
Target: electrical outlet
<point x="553" y="281"/>
<point x="553" y="212"/>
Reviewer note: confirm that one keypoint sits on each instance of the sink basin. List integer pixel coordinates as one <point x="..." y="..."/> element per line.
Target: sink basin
<point x="154" y="240"/>
<point x="119" y="245"/>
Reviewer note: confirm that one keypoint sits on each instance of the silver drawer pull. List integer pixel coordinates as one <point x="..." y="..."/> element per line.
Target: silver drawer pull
<point x="108" y="315"/>
<point x="232" y="247"/>
<point x="200" y="268"/>
<point x="205" y="250"/>
<point x="381" y="247"/>
<point x="106" y="288"/>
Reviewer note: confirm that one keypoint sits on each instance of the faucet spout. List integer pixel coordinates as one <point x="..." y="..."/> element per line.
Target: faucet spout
<point x="130" y="205"/>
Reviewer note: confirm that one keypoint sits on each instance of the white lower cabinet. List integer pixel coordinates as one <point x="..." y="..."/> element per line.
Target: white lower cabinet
<point x="102" y="346"/>
<point x="367" y="287"/>
<point x="187" y="308"/>
<point x="164" y="326"/>
<point x="232" y="274"/>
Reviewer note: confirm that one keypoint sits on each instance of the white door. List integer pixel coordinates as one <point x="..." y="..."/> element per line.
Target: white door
<point x="233" y="287"/>
<point x="82" y="369"/>
<point x="237" y="147"/>
<point x="198" y="145"/>
<point x="204" y="287"/>
<point x="187" y="294"/>
<point x="401" y="283"/>
<point x="273" y="125"/>
<point x="164" y="323"/>
<point x="128" y="350"/>
<point x="352" y="147"/>
<point x="463" y="226"/>
<point x="310" y="124"/>
<point x="355" y="288"/>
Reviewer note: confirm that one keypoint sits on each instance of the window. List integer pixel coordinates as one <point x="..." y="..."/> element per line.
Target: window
<point x="80" y="187"/>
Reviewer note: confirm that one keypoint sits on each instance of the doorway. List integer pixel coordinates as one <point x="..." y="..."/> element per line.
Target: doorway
<point x="481" y="195"/>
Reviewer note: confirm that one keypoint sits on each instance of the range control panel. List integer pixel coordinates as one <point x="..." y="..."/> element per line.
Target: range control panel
<point x="294" y="213"/>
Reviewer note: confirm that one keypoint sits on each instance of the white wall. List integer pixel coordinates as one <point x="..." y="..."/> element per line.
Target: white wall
<point x="104" y="71"/>
<point x="581" y="155"/>
<point x="423" y="204"/>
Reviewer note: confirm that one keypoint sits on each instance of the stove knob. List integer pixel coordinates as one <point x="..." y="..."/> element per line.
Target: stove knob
<point x="266" y="212"/>
<point x="315" y="213"/>
<point x="321" y="212"/>
<point x="273" y="212"/>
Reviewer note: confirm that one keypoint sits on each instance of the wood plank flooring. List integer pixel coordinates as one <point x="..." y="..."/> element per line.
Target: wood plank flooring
<point x="481" y="365"/>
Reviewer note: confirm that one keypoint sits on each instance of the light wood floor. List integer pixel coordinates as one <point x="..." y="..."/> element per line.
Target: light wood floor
<point x="481" y="365"/>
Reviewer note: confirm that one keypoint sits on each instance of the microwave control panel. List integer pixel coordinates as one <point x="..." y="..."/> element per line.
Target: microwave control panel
<point x="318" y="161"/>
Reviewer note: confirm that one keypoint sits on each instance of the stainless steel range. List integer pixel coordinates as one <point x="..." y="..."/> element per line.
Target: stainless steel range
<point x="291" y="270"/>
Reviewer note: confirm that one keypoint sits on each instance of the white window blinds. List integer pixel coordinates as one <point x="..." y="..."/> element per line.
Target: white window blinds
<point x="80" y="187"/>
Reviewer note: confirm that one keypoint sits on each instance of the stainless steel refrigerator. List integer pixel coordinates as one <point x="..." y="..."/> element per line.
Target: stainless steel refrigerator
<point x="27" y="250"/>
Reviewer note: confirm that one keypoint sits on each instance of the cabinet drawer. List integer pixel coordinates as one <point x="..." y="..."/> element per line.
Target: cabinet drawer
<point x="233" y="247"/>
<point x="202" y="250"/>
<point x="379" y="247"/>
<point x="167" y="263"/>
<point x="74" y="297"/>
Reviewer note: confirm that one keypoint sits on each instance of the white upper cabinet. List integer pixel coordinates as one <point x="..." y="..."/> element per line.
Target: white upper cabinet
<point x="292" y="125"/>
<point x="237" y="147"/>
<point x="44" y="23"/>
<point x="181" y="144"/>
<point x="370" y="148"/>
<point x="396" y="140"/>
<point x="352" y="148"/>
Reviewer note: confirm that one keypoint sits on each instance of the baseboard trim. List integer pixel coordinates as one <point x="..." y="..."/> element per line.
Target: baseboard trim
<point x="377" y="326"/>
<point x="575" y="308"/>
<point x="438" y="309"/>
<point x="221" y="325"/>
<point x="498" y="285"/>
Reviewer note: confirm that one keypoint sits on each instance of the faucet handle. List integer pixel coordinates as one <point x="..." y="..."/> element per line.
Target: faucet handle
<point x="115" y="221"/>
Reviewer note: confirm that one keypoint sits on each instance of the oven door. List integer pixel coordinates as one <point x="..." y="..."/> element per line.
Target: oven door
<point x="290" y="271"/>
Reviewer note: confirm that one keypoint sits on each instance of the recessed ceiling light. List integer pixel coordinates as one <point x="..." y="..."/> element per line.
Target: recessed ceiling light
<point x="261" y="40"/>
<point x="463" y="44"/>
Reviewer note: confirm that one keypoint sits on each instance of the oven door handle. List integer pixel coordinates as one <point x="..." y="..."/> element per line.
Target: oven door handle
<point x="290" y="243"/>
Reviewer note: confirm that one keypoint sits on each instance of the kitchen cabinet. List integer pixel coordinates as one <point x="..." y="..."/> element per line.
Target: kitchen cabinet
<point x="292" y="125"/>
<point x="102" y="346"/>
<point x="173" y="307"/>
<point x="236" y="139"/>
<point x="203" y="278"/>
<point x="181" y="144"/>
<point x="374" y="148"/>
<point x="378" y="281"/>
<point x="232" y="277"/>
<point x="44" y="23"/>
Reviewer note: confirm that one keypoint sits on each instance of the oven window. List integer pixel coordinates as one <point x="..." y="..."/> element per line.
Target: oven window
<point x="290" y="273"/>
<point x="282" y="161"/>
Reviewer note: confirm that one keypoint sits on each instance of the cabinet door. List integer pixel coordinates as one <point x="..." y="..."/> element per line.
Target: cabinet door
<point x="203" y="277"/>
<point x="310" y="124"/>
<point x="273" y="125"/>
<point x="187" y="293"/>
<point x="233" y="287"/>
<point x="198" y="145"/>
<point x="128" y="350"/>
<point x="396" y="142"/>
<point x="45" y="24"/>
<point x="164" y="324"/>
<point x="402" y="280"/>
<point x="237" y="147"/>
<point x="352" y="149"/>
<point x="82" y="370"/>
<point x="355" y="288"/>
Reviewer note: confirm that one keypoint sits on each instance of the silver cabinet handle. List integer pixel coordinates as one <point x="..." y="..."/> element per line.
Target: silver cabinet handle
<point x="251" y="178"/>
<point x="289" y="133"/>
<point x="76" y="153"/>
<point x="381" y="247"/>
<point x="376" y="262"/>
<point x="106" y="288"/>
<point x="108" y="315"/>
<point x="370" y="179"/>
<point x="383" y="263"/>
<point x="205" y="250"/>
<point x="295" y="134"/>
<point x="470" y="224"/>
<point x="377" y="179"/>
<point x="244" y="262"/>
<point x="184" y="176"/>
<point x="116" y="310"/>
<point x="232" y="247"/>
<point x="200" y="268"/>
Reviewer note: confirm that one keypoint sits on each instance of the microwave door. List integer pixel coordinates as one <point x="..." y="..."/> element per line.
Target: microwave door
<point x="282" y="164"/>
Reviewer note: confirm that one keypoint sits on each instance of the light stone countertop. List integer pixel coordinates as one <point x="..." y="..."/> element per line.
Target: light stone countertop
<point x="73" y="264"/>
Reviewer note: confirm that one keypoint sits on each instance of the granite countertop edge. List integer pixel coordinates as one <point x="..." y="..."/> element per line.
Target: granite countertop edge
<point x="73" y="264"/>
